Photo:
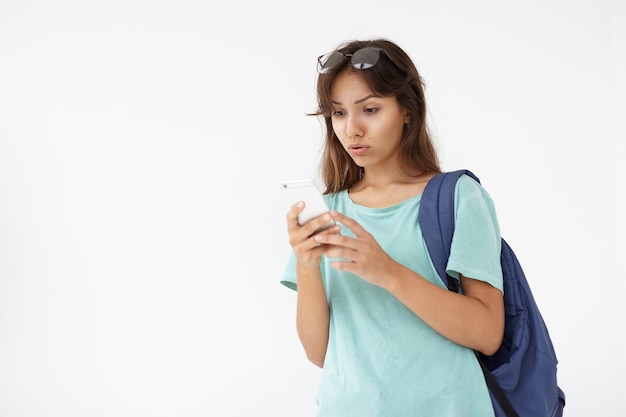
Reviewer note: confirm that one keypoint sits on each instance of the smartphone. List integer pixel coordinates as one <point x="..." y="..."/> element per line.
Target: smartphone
<point x="314" y="205"/>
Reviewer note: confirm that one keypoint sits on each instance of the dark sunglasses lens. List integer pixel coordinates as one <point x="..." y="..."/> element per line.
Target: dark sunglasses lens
<point x="329" y="60"/>
<point x="365" y="58"/>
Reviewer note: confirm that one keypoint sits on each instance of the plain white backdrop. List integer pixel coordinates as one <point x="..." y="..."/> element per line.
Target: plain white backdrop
<point x="142" y="232"/>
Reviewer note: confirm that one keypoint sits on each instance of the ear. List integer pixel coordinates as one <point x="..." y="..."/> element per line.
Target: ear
<point x="407" y="118"/>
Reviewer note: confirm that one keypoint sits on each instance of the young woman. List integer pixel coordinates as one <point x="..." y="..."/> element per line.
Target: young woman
<point x="371" y="309"/>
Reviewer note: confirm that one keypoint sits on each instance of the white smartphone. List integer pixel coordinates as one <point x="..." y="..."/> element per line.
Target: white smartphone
<point x="314" y="205"/>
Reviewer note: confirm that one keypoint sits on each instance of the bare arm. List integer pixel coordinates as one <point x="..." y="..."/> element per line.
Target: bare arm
<point x="474" y="319"/>
<point x="312" y="314"/>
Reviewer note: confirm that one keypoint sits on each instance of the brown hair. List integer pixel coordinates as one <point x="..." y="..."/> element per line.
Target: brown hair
<point x="393" y="75"/>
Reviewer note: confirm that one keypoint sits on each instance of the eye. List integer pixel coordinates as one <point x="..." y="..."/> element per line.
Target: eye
<point x="370" y="110"/>
<point x="337" y="113"/>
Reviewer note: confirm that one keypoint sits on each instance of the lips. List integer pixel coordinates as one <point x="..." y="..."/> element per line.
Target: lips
<point x="357" y="149"/>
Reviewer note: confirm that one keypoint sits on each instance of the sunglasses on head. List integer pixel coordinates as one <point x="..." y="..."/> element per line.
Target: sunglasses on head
<point x="363" y="58"/>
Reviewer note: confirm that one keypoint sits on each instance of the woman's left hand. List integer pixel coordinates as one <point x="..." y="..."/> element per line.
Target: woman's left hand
<point x="360" y="255"/>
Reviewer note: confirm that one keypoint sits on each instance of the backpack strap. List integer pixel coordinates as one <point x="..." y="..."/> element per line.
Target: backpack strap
<point x="436" y="218"/>
<point x="496" y="390"/>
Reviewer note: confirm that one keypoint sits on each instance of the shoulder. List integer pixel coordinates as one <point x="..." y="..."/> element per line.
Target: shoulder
<point x="469" y="188"/>
<point x="473" y="201"/>
<point x="468" y="184"/>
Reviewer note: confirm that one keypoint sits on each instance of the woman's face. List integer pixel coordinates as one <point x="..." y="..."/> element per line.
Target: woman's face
<point x="368" y="126"/>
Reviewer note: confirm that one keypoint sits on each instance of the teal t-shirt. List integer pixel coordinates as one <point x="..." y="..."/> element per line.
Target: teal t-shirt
<point x="382" y="359"/>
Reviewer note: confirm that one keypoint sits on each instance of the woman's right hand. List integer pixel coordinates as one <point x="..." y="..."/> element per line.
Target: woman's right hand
<point x="301" y="237"/>
<point x="313" y="314"/>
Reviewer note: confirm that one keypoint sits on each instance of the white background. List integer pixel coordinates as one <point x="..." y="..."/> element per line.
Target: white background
<point x="141" y="227"/>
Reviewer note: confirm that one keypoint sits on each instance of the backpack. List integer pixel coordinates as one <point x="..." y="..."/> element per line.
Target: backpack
<point x="521" y="375"/>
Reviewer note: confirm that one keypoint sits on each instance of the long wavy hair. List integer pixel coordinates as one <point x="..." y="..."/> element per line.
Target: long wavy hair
<point x="393" y="75"/>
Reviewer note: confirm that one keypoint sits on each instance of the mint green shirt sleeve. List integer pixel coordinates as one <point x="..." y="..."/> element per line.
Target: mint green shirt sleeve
<point x="476" y="245"/>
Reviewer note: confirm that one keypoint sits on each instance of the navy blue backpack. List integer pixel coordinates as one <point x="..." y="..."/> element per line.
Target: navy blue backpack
<point x="521" y="375"/>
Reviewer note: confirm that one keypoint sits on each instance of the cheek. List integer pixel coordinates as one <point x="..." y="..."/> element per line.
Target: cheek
<point x="396" y="126"/>
<point x="337" y="128"/>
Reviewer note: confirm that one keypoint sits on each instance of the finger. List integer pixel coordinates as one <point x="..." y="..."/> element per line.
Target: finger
<point x="340" y="252"/>
<point x="309" y="249"/>
<point x="333" y="230"/>
<point x="337" y="240"/>
<point x="344" y="266"/>
<point x="304" y="235"/>
<point x="317" y="224"/>
<point x="351" y="224"/>
<point x="326" y="230"/>
<point x="292" y="215"/>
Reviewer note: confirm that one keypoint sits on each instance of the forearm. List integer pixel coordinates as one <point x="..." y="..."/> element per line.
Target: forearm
<point x="474" y="320"/>
<point x="313" y="315"/>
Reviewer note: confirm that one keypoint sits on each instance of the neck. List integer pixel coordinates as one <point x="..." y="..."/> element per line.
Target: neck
<point x="379" y="179"/>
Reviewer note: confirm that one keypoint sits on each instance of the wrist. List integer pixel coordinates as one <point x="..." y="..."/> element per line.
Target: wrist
<point x="395" y="278"/>
<point x="307" y="267"/>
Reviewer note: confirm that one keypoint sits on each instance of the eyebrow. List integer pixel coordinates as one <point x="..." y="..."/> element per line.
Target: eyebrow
<point x="361" y="100"/>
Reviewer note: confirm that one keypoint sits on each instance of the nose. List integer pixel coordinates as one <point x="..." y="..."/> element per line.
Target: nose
<point x="353" y="127"/>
